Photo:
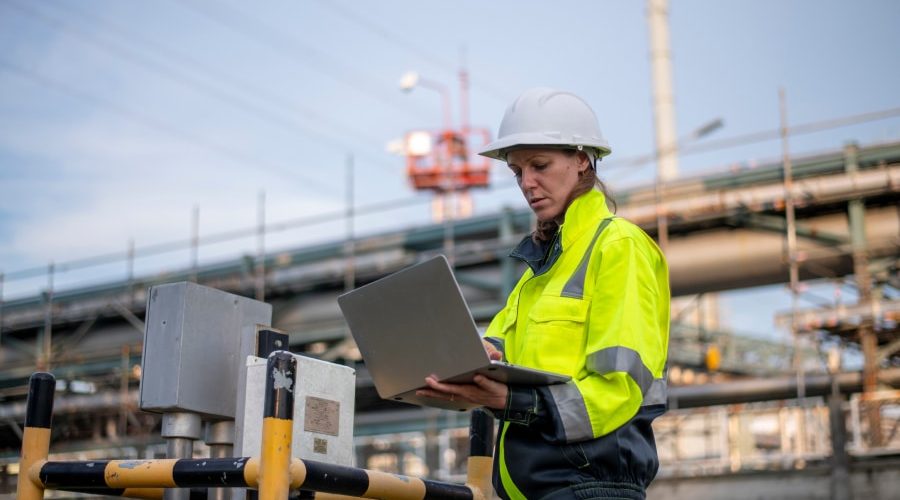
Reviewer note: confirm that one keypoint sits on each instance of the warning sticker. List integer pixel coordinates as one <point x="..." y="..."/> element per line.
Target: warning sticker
<point x="322" y="416"/>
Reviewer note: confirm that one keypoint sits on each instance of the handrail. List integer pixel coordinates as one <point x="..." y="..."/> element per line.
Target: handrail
<point x="274" y="473"/>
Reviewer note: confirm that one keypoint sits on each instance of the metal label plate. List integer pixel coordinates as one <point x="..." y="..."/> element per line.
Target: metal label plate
<point x="322" y="416"/>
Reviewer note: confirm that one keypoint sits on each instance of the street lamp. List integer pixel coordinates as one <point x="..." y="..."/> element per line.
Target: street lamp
<point x="441" y="160"/>
<point x="704" y="130"/>
<point x="412" y="79"/>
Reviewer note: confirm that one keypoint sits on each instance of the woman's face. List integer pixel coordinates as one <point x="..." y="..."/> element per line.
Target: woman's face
<point x="547" y="178"/>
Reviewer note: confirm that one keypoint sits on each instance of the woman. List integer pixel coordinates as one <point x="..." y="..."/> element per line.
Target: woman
<point x="593" y="304"/>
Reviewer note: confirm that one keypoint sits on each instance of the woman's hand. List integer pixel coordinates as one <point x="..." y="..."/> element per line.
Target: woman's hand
<point x="484" y="392"/>
<point x="492" y="351"/>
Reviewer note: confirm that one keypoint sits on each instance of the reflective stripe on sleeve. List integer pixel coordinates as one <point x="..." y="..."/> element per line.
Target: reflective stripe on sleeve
<point x="658" y="394"/>
<point x="572" y="411"/>
<point x="623" y="359"/>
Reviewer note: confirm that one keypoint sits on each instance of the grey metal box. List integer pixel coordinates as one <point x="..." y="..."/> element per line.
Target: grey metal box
<point x="192" y="341"/>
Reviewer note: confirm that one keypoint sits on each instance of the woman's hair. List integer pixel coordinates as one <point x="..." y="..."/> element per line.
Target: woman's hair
<point x="587" y="181"/>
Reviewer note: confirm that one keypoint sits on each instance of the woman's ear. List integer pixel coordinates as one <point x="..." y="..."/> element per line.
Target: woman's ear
<point x="584" y="161"/>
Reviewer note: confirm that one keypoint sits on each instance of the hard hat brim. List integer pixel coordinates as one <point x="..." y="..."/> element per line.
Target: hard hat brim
<point x="499" y="148"/>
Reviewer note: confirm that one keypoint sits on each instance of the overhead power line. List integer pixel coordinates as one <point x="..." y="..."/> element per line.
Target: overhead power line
<point x="153" y="123"/>
<point x="432" y="59"/>
<point x="409" y="46"/>
<point x="247" y="87"/>
<point x="802" y="129"/>
<point x="266" y="34"/>
<point x="181" y="77"/>
<point x="760" y="136"/>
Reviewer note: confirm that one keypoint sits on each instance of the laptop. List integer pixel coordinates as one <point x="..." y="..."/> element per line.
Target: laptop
<point x="414" y="323"/>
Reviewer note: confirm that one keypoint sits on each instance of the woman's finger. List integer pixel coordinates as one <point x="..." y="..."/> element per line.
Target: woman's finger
<point x="492" y="351"/>
<point x="488" y="384"/>
<point x="483" y="391"/>
<point x="438" y="386"/>
<point x="434" y="394"/>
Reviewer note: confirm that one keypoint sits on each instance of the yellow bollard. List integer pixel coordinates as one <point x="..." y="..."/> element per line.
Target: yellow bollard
<point x="478" y="476"/>
<point x="278" y="423"/>
<point x="479" y="468"/>
<point x="36" y="437"/>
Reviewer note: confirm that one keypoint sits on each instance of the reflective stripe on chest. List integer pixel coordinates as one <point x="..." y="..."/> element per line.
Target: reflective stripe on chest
<point x="547" y="323"/>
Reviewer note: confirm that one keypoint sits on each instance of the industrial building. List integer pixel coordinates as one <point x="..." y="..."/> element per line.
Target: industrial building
<point x="807" y="408"/>
<point x="742" y="410"/>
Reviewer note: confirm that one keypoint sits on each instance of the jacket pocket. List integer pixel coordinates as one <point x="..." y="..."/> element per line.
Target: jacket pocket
<point x="555" y="334"/>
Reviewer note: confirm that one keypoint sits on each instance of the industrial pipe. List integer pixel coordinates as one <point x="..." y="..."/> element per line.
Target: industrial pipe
<point x="768" y="389"/>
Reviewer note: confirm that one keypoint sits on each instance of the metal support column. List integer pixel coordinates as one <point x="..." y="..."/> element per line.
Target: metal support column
<point x="180" y="430"/>
<point x="793" y="273"/>
<point x="45" y="349"/>
<point x="856" y="212"/>
<point x="432" y="447"/>
<point x="260" y="268"/>
<point x="350" y="245"/>
<point x="129" y="262"/>
<point x="449" y="221"/>
<point x="220" y="439"/>
<point x="195" y="244"/>
<point x="507" y="266"/>
<point x="840" y="460"/>
<point x="124" y="375"/>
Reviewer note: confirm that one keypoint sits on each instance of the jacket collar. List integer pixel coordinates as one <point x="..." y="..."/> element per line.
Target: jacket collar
<point x="539" y="256"/>
<point x="583" y="214"/>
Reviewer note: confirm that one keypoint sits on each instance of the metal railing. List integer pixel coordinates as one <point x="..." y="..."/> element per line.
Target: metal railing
<point x="274" y="474"/>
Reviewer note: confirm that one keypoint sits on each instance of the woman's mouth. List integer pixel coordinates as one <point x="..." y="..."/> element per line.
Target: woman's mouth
<point x="536" y="201"/>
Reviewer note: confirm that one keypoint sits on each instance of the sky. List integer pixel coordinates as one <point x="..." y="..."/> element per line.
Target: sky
<point x="118" y="118"/>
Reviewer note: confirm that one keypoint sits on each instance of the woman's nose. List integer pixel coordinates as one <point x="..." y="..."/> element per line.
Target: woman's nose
<point x="528" y="179"/>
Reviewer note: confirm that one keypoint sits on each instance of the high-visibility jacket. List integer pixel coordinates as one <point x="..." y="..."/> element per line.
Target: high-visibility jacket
<point x="594" y="305"/>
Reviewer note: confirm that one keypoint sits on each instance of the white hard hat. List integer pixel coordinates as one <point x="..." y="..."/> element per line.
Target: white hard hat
<point x="548" y="117"/>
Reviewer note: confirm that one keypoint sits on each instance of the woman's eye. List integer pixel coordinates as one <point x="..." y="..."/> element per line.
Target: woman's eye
<point x="541" y="166"/>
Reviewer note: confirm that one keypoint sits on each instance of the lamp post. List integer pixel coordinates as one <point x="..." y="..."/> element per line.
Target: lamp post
<point x="412" y="79"/>
<point x="444" y="200"/>
<point x="439" y="161"/>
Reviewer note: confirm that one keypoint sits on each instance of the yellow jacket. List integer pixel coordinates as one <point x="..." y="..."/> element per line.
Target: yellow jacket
<point x="594" y="304"/>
